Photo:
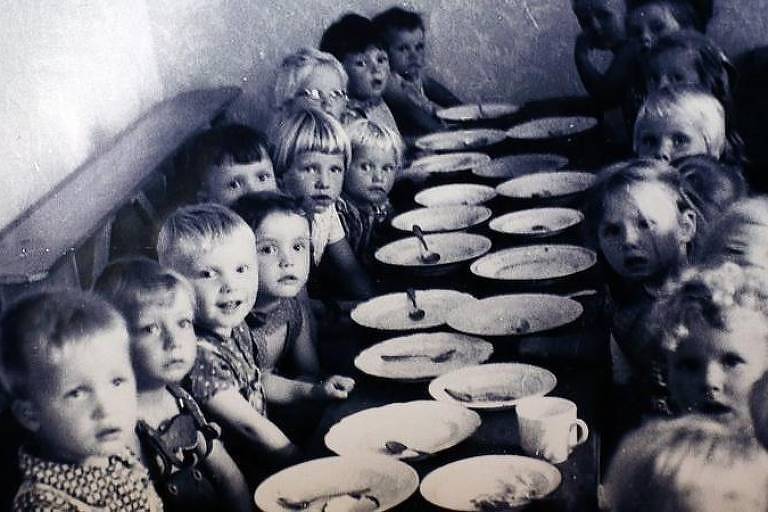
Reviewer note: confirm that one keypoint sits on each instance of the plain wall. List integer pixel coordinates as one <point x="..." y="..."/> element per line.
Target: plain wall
<point x="76" y="72"/>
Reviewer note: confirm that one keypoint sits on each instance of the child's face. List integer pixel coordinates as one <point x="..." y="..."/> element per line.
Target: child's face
<point x="712" y="370"/>
<point x="743" y="243"/>
<point x="225" y="279"/>
<point x="315" y="178"/>
<point x="282" y="242"/>
<point x="323" y="89"/>
<point x="406" y="53"/>
<point x="650" y="22"/>
<point x="371" y="174"/>
<point x="673" y="66"/>
<point x="163" y="341"/>
<point x="601" y="20"/>
<point x="368" y="72"/>
<point x="668" y="138"/>
<point x="85" y="402"/>
<point x="641" y="233"/>
<point x="225" y="184"/>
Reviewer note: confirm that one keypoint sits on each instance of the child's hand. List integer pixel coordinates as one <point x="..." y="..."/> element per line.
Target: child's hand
<point x="335" y="386"/>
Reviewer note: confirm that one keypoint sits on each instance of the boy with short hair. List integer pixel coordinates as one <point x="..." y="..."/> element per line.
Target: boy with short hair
<point x="66" y="363"/>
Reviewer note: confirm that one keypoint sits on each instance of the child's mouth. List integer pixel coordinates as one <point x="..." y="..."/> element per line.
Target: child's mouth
<point x="322" y="200"/>
<point x="229" y="307"/>
<point x="109" y="434"/>
<point x="635" y="262"/>
<point x="288" y="280"/>
<point x="713" y="408"/>
<point x="175" y="364"/>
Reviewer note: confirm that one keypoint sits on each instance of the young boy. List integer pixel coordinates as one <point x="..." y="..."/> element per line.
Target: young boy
<point x="66" y="363"/>
<point x="353" y="40"/>
<point x="413" y="96"/>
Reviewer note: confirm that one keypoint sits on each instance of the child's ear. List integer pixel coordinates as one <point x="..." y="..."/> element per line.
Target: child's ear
<point x="688" y="225"/>
<point x="26" y="414"/>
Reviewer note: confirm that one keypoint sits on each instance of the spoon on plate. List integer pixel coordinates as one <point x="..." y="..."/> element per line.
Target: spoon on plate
<point x="427" y="256"/>
<point x="415" y="313"/>
<point x="304" y="504"/>
<point x="397" y="448"/>
<point x="439" y="358"/>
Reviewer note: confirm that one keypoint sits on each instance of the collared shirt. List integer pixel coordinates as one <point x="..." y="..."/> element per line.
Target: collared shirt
<point x="360" y="224"/>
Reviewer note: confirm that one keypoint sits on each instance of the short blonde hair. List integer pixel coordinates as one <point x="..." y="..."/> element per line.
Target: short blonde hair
<point x="309" y="130"/>
<point x="693" y="104"/>
<point x="752" y="211"/>
<point x="364" y="133"/>
<point x="296" y="67"/>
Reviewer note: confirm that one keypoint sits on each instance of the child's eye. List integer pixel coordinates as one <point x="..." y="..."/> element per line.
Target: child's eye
<point x="119" y="381"/>
<point x="267" y="250"/>
<point x="242" y="269"/>
<point x="336" y="169"/>
<point x="150" y="329"/>
<point x="76" y="394"/>
<point x="300" y="246"/>
<point x="734" y="251"/>
<point x="732" y="360"/>
<point x="205" y="274"/>
<point x="382" y="59"/>
<point x="402" y="48"/>
<point x="337" y="94"/>
<point x="312" y="94"/>
<point x="234" y="185"/>
<point x="360" y="63"/>
<point x="420" y="47"/>
<point x="366" y="167"/>
<point x="643" y="224"/>
<point x="310" y="169"/>
<point x="680" y="139"/>
<point x="264" y="177"/>
<point x="388" y="168"/>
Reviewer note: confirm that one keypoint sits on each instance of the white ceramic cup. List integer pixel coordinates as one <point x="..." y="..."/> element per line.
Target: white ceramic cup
<point x="549" y="427"/>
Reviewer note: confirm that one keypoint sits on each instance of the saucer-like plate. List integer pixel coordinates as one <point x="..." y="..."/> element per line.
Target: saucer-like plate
<point x="552" y="127"/>
<point x="390" y="312"/>
<point x="445" y="163"/>
<point x="477" y="111"/>
<point x="546" y="185"/>
<point x="454" y="247"/>
<point x="535" y="262"/>
<point x="537" y="222"/>
<point x="490" y="482"/>
<point x="513" y="166"/>
<point x="455" y="193"/>
<point x="442" y="218"/>
<point x="460" y="140"/>
<point x="467" y="351"/>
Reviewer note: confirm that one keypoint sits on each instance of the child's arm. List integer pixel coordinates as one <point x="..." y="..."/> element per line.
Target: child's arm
<point x="303" y="351"/>
<point x="439" y="93"/>
<point x="608" y="88"/>
<point x="357" y="282"/>
<point x="229" y="481"/>
<point x="282" y="390"/>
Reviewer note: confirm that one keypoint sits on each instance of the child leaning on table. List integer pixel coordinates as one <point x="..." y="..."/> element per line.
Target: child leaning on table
<point x="65" y="361"/>
<point x="215" y="250"/>
<point x="189" y="465"/>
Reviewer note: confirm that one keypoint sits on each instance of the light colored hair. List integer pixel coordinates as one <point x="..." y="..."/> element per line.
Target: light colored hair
<point x="364" y="133"/>
<point x="194" y="229"/>
<point x="296" y="67"/>
<point x="693" y="104"/>
<point x="751" y="211"/>
<point x="309" y="130"/>
<point x="660" y="465"/>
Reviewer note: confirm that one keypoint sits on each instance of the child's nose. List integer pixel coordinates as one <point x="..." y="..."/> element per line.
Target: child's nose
<point x="664" y="151"/>
<point x="323" y="179"/>
<point x="713" y="377"/>
<point x="646" y="39"/>
<point x="631" y="236"/>
<point x="377" y="176"/>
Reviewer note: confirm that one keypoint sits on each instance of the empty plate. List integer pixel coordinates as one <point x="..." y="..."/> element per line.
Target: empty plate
<point x="492" y="386"/>
<point x="391" y="311"/>
<point x="490" y="482"/>
<point x="515" y="315"/>
<point x="452" y="247"/>
<point x="409" y="430"/>
<point x="535" y="262"/>
<point x="477" y="111"/>
<point x="537" y="222"/>
<point x="546" y="184"/>
<point x="445" y="163"/>
<point x="442" y="218"/>
<point x="552" y="127"/>
<point x="460" y="139"/>
<point x="519" y="165"/>
<point x="422" y="356"/>
<point x="360" y="482"/>
<point x="455" y="193"/>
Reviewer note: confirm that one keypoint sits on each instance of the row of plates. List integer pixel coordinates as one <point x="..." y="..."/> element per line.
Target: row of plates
<point x="482" y="165"/>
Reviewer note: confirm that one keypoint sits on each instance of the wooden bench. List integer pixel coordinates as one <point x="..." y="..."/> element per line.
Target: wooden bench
<point x="39" y="247"/>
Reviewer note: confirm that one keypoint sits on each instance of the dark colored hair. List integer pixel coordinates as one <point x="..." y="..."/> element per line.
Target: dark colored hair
<point x="397" y="18"/>
<point x="703" y="177"/>
<point x="351" y="33"/>
<point x="254" y="208"/>
<point x="694" y="14"/>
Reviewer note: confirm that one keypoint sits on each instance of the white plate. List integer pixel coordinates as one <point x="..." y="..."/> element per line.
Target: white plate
<point x="535" y="262"/>
<point x="425" y="426"/>
<point x="460" y="139"/>
<point x="519" y="165"/>
<point x="477" y="111"/>
<point x="552" y="127"/>
<point x="538" y="222"/>
<point x="515" y="315"/>
<point x="389" y="359"/>
<point x="479" y="483"/>
<point x="442" y="218"/>
<point x="390" y="312"/>
<point x="455" y="193"/>
<point x="390" y="481"/>
<point x="492" y="386"/>
<point x="546" y="184"/>
<point x="452" y="247"/>
<point x="445" y="163"/>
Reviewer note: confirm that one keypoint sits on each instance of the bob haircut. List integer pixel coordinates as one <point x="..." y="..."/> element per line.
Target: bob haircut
<point x="397" y="18"/>
<point x="254" y="208"/>
<point x="364" y="133"/>
<point x="349" y="34"/>
<point x="295" y="69"/>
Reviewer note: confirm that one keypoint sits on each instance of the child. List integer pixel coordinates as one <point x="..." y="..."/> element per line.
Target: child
<point x="412" y="94"/>
<point x="352" y="39"/>
<point x="690" y="464"/>
<point x="678" y="121"/>
<point x="65" y="361"/>
<point x="715" y="326"/>
<point x="311" y="157"/>
<point x="740" y="235"/>
<point x="649" y="20"/>
<point x="188" y="463"/>
<point x="216" y="250"/>
<point x="364" y="207"/>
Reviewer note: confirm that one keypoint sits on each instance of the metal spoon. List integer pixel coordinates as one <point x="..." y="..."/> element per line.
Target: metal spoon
<point x="426" y="255"/>
<point x="416" y="313"/>
<point x="439" y="358"/>
<point x="396" y="448"/>
<point x="303" y="504"/>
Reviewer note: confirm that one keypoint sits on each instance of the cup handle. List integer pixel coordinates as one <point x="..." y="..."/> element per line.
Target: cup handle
<point x="582" y="431"/>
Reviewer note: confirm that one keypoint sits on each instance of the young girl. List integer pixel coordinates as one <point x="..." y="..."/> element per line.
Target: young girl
<point x="189" y="465"/>
<point x="740" y="235"/>
<point x="690" y="464"/>
<point x="649" y="20"/>
<point x="715" y="332"/>
<point x="311" y="157"/>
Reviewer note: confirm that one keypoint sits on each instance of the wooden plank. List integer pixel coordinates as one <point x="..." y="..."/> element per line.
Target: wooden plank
<point x="64" y="218"/>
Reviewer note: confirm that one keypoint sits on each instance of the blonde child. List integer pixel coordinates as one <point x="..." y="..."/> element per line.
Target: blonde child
<point x="66" y="364"/>
<point x="216" y="250"/>
<point x="311" y="158"/>
<point x="740" y="235"/>
<point x="190" y="466"/>
<point x="690" y="464"/>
